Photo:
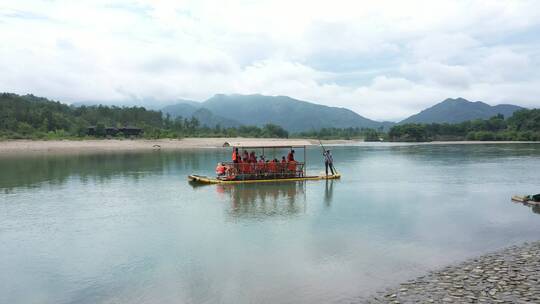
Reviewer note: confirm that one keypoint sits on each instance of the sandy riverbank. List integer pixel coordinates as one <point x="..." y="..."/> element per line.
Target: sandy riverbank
<point x="108" y="145"/>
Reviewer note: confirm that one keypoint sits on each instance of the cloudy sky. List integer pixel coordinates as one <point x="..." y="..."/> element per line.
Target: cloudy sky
<point x="384" y="60"/>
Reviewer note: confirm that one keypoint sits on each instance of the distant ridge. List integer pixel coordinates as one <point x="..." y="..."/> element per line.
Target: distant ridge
<point x="203" y="115"/>
<point x="459" y="110"/>
<point x="292" y="114"/>
<point x="147" y="103"/>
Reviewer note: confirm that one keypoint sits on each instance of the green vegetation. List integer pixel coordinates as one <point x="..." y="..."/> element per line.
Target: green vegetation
<point x="31" y="117"/>
<point x="292" y="114"/>
<point x="523" y="125"/>
<point x="343" y="133"/>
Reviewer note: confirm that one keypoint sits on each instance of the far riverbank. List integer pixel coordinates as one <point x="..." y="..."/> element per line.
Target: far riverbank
<point x="111" y="145"/>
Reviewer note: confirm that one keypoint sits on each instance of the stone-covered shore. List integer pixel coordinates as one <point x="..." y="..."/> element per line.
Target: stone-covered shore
<point x="511" y="275"/>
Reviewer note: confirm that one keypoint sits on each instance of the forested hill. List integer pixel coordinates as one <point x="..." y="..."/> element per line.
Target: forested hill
<point x="292" y="114"/>
<point x="203" y="115"/>
<point x="523" y="125"/>
<point x="28" y="116"/>
<point x="460" y="110"/>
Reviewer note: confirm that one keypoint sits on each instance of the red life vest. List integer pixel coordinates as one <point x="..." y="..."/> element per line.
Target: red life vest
<point x="220" y="170"/>
<point x="290" y="156"/>
<point x="292" y="166"/>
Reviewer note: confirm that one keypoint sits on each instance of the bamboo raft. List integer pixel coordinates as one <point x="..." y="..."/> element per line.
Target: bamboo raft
<point x="211" y="180"/>
<point x="296" y="173"/>
<point x="524" y="199"/>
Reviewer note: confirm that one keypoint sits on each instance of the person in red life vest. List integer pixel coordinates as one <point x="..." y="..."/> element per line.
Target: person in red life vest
<point x="252" y="157"/>
<point x="245" y="156"/>
<point x="273" y="166"/>
<point x="246" y="167"/>
<point x="292" y="167"/>
<point x="283" y="164"/>
<point x="220" y="170"/>
<point x="235" y="155"/>
<point x="238" y="165"/>
<point x="260" y="165"/>
<point x="290" y="156"/>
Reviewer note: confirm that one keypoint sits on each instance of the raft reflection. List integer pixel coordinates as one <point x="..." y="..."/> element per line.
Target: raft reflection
<point x="536" y="209"/>
<point x="263" y="200"/>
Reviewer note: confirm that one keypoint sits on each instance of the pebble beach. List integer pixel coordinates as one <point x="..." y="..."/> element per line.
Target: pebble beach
<point x="511" y="275"/>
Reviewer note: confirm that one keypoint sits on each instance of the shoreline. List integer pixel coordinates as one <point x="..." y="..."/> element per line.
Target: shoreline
<point x="509" y="275"/>
<point x="112" y="145"/>
<point x="127" y="145"/>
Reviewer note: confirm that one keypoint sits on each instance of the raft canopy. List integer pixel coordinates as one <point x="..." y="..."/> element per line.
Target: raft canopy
<point x="268" y="144"/>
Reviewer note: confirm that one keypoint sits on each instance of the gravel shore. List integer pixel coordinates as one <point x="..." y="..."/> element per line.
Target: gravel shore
<point x="511" y="275"/>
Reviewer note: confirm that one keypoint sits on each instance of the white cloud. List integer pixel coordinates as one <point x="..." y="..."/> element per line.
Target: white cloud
<point x="383" y="59"/>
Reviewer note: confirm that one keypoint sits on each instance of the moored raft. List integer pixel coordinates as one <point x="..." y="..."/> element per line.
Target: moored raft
<point x="527" y="199"/>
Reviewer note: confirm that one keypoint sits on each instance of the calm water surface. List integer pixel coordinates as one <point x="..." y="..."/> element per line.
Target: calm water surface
<point x="113" y="228"/>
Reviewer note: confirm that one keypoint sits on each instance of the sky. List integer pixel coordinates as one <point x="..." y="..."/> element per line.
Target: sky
<point x="384" y="60"/>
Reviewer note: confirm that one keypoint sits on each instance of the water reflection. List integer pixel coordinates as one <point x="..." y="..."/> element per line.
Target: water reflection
<point x="328" y="192"/>
<point x="56" y="169"/>
<point x="262" y="200"/>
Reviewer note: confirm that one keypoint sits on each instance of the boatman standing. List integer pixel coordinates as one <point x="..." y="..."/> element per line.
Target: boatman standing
<point x="328" y="162"/>
<point x="290" y="156"/>
<point x="235" y="155"/>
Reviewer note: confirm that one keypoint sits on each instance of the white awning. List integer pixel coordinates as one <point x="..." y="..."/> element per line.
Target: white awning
<point x="269" y="143"/>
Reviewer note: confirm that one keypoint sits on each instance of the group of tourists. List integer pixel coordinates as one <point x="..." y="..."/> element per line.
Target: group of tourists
<point x="249" y="165"/>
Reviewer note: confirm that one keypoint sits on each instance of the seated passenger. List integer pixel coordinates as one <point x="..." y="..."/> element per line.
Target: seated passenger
<point x="292" y="167"/>
<point x="283" y="165"/>
<point x="247" y="168"/>
<point x="220" y="170"/>
<point x="273" y="166"/>
<point x="260" y="166"/>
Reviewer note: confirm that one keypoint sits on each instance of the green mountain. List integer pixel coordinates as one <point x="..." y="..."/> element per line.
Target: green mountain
<point x="185" y="110"/>
<point x="459" y="110"/>
<point x="206" y="117"/>
<point x="203" y="115"/>
<point x="292" y="114"/>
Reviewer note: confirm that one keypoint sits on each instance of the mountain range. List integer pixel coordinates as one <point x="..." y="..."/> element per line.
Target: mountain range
<point x="292" y="114"/>
<point x="296" y="115"/>
<point x="459" y="110"/>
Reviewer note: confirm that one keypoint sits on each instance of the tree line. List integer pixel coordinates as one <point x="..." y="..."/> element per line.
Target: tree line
<point x="31" y="117"/>
<point x="343" y="133"/>
<point x="523" y="125"/>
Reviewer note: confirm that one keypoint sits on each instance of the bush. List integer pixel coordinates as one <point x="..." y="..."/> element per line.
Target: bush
<point x="484" y="135"/>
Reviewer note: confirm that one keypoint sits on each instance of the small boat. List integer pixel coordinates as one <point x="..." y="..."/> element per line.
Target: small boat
<point x="263" y="171"/>
<point x="527" y="199"/>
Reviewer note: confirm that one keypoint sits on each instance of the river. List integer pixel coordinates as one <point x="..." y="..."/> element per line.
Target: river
<point x="129" y="228"/>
